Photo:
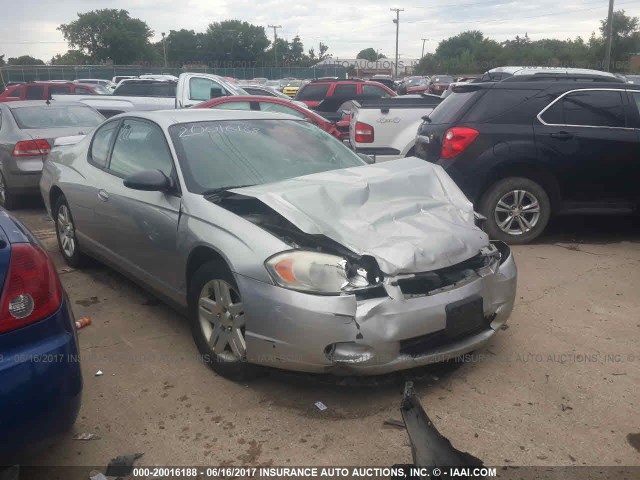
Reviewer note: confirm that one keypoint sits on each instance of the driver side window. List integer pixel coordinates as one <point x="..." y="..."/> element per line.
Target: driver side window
<point x="140" y="145"/>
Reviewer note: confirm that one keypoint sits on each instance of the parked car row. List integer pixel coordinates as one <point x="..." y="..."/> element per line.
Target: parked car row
<point x="522" y="144"/>
<point x="233" y="197"/>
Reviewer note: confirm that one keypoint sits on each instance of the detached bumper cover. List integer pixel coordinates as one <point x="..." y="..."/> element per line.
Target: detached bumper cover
<point x="296" y="331"/>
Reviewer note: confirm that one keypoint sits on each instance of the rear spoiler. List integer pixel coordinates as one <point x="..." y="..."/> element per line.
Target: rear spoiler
<point x="66" y="141"/>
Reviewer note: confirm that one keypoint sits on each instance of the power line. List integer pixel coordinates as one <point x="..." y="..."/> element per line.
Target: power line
<point x="521" y="18"/>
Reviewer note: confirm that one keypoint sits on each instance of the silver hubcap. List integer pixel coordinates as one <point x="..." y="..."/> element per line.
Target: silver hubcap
<point x="517" y="212"/>
<point x="66" y="232"/>
<point x="221" y="316"/>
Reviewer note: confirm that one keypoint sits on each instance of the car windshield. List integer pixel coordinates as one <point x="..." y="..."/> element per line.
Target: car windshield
<point x="228" y="153"/>
<point x="443" y="79"/>
<point x="416" y="82"/>
<point x="58" y="116"/>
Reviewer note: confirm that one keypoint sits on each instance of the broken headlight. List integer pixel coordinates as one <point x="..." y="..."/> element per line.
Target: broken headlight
<point x="315" y="272"/>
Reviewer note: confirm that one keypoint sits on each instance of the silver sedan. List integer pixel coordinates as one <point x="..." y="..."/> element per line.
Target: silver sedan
<point x="28" y="130"/>
<point x="282" y="246"/>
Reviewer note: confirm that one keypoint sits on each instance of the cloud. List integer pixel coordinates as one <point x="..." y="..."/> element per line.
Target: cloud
<point x="29" y="27"/>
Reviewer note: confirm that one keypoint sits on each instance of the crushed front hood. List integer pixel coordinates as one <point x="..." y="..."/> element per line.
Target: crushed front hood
<point x="408" y="214"/>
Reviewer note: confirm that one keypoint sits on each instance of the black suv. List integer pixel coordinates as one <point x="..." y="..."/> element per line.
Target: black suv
<point x="531" y="146"/>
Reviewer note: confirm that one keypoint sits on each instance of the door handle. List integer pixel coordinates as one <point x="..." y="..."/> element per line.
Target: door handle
<point x="562" y="135"/>
<point x="102" y="195"/>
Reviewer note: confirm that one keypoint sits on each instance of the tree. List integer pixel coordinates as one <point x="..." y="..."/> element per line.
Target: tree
<point x="184" y="47"/>
<point x="72" y="57"/>
<point x="1" y="60"/>
<point x="234" y="41"/>
<point x="369" y="54"/>
<point x="109" y="34"/>
<point x="25" y="60"/>
<point x="626" y="37"/>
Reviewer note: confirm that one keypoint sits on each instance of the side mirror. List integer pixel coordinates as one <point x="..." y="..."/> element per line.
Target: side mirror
<point x="367" y="158"/>
<point x="149" y="181"/>
<point x="216" y="92"/>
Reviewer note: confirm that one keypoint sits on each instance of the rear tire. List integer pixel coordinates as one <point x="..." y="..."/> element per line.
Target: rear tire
<point x="517" y="210"/>
<point x="217" y="320"/>
<point x="7" y="199"/>
<point x="66" y="234"/>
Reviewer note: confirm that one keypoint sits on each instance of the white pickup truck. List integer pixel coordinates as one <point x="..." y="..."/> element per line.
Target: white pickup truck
<point x="386" y="128"/>
<point x="191" y="89"/>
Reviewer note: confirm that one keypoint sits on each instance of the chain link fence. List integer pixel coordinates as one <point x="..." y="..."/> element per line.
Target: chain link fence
<point x="30" y="73"/>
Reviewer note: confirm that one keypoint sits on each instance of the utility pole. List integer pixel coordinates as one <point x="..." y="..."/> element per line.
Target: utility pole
<point x="164" y="49"/>
<point x="275" y="44"/>
<point x="423" y="40"/>
<point x="607" y="55"/>
<point x="397" y="22"/>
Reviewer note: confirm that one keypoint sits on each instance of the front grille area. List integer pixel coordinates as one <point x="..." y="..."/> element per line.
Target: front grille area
<point x="423" y="344"/>
<point x="423" y="283"/>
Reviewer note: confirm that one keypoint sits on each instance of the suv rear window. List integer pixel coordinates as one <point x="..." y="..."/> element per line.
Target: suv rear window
<point x="449" y="110"/>
<point x="313" y="91"/>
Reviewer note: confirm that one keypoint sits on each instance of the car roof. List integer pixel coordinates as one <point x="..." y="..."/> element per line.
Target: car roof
<point x="41" y="103"/>
<point x="559" y="84"/>
<point x="167" y="118"/>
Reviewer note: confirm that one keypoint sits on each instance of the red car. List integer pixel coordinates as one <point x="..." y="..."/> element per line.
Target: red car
<point x="275" y="104"/>
<point x="44" y="90"/>
<point x="316" y="91"/>
<point x="439" y="83"/>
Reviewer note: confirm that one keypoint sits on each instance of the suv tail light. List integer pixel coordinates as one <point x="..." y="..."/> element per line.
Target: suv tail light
<point x="31" y="148"/>
<point x="364" y="133"/>
<point x="32" y="289"/>
<point x="456" y="140"/>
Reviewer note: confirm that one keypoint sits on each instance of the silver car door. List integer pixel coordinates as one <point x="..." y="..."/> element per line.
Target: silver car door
<point x="139" y="228"/>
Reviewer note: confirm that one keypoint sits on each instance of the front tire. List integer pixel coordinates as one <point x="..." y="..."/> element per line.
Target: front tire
<point x="517" y="210"/>
<point x="217" y="319"/>
<point x="66" y="234"/>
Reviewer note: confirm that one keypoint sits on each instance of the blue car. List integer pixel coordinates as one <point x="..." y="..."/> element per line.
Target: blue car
<point x="40" y="377"/>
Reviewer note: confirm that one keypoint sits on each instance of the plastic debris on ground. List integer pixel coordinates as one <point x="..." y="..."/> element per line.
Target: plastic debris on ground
<point x="86" y="436"/>
<point x="95" y="475"/>
<point x="83" y="322"/>
<point x="122" y="466"/>
<point x="321" y="406"/>
<point x="99" y="373"/>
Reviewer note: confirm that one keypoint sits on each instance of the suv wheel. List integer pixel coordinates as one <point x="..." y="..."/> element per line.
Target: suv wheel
<point x="517" y="210"/>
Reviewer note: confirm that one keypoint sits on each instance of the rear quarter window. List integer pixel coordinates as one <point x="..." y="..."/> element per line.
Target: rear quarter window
<point x="504" y="106"/>
<point x="313" y="92"/>
<point x="450" y="109"/>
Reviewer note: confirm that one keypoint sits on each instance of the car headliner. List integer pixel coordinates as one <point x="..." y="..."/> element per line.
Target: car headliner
<point x="167" y="118"/>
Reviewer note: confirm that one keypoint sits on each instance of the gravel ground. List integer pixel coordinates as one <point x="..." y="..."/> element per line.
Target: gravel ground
<point x="557" y="387"/>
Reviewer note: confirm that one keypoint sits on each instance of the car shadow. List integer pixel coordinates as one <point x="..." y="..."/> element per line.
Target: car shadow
<point x="592" y="229"/>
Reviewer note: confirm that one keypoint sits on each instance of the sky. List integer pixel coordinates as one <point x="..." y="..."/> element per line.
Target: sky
<point x="29" y="26"/>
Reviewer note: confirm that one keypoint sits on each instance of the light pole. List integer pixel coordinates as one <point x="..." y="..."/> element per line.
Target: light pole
<point x="164" y="49"/>
<point x="275" y="44"/>
<point x="423" y="40"/>
<point x="397" y="22"/>
<point x="607" y="55"/>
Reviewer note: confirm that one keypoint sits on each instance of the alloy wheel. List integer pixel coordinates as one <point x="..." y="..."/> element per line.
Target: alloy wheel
<point x="66" y="231"/>
<point x="221" y="316"/>
<point x="517" y="212"/>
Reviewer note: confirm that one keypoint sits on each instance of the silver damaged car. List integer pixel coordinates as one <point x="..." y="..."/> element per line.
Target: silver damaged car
<point x="282" y="246"/>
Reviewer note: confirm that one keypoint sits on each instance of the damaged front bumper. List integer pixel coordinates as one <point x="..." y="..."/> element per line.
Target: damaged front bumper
<point x="351" y="334"/>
